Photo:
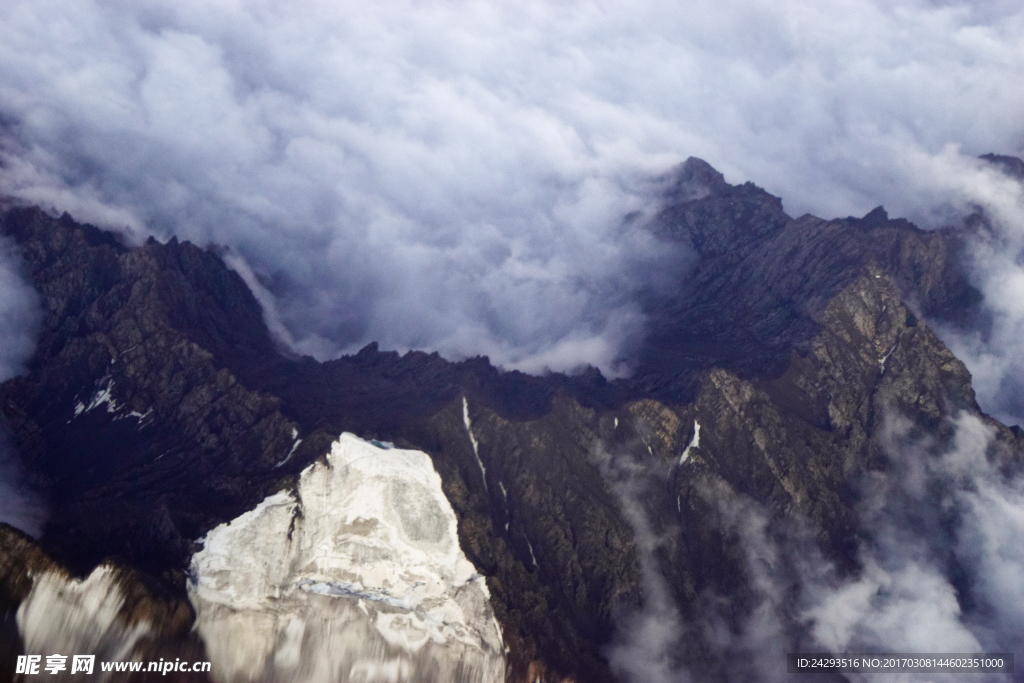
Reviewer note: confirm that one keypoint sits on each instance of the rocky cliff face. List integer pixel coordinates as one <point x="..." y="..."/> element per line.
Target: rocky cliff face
<point x="614" y="523"/>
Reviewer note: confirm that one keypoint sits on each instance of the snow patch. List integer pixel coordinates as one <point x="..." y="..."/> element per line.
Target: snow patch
<point x="104" y="396"/>
<point x="356" y="572"/>
<point x="533" y="557"/>
<point x="883" y="359"/>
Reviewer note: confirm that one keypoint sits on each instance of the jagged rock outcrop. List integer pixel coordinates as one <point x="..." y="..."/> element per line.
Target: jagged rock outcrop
<point x="539" y="519"/>
<point x="157" y="407"/>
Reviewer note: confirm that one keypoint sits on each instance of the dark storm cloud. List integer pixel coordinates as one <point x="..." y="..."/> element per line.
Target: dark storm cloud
<point x="452" y="175"/>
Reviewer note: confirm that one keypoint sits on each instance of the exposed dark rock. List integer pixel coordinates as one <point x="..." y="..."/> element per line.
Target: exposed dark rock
<point x="544" y="527"/>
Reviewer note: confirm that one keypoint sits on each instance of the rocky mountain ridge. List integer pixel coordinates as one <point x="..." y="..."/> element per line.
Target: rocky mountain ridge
<point x="157" y="406"/>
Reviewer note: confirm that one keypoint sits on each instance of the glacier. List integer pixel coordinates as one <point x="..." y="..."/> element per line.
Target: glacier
<point x="355" y="574"/>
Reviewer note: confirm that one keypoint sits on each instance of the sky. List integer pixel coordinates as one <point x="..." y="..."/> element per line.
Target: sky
<point x="452" y="176"/>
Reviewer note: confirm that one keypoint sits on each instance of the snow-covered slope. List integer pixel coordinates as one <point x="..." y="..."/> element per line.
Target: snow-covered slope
<point x="357" y="575"/>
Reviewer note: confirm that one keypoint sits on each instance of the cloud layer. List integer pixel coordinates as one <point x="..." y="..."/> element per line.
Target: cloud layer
<point x="452" y="175"/>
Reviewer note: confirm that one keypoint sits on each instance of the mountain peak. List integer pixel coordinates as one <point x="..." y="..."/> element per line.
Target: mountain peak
<point x="1011" y="166"/>
<point x="695" y="179"/>
<point x="876" y="216"/>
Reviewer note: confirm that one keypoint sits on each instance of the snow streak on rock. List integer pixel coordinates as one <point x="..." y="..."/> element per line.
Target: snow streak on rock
<point x="356" y="575"/>
<point x="694" y="443"/>
<point x="104" y="396"/>
<point x="472" y="439"/>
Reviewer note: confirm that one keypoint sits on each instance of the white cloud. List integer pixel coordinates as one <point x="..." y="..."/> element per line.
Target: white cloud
<point x="450" y="175"/>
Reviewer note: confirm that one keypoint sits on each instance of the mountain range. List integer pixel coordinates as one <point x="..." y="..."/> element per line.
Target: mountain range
<point x="792" y="431"/>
